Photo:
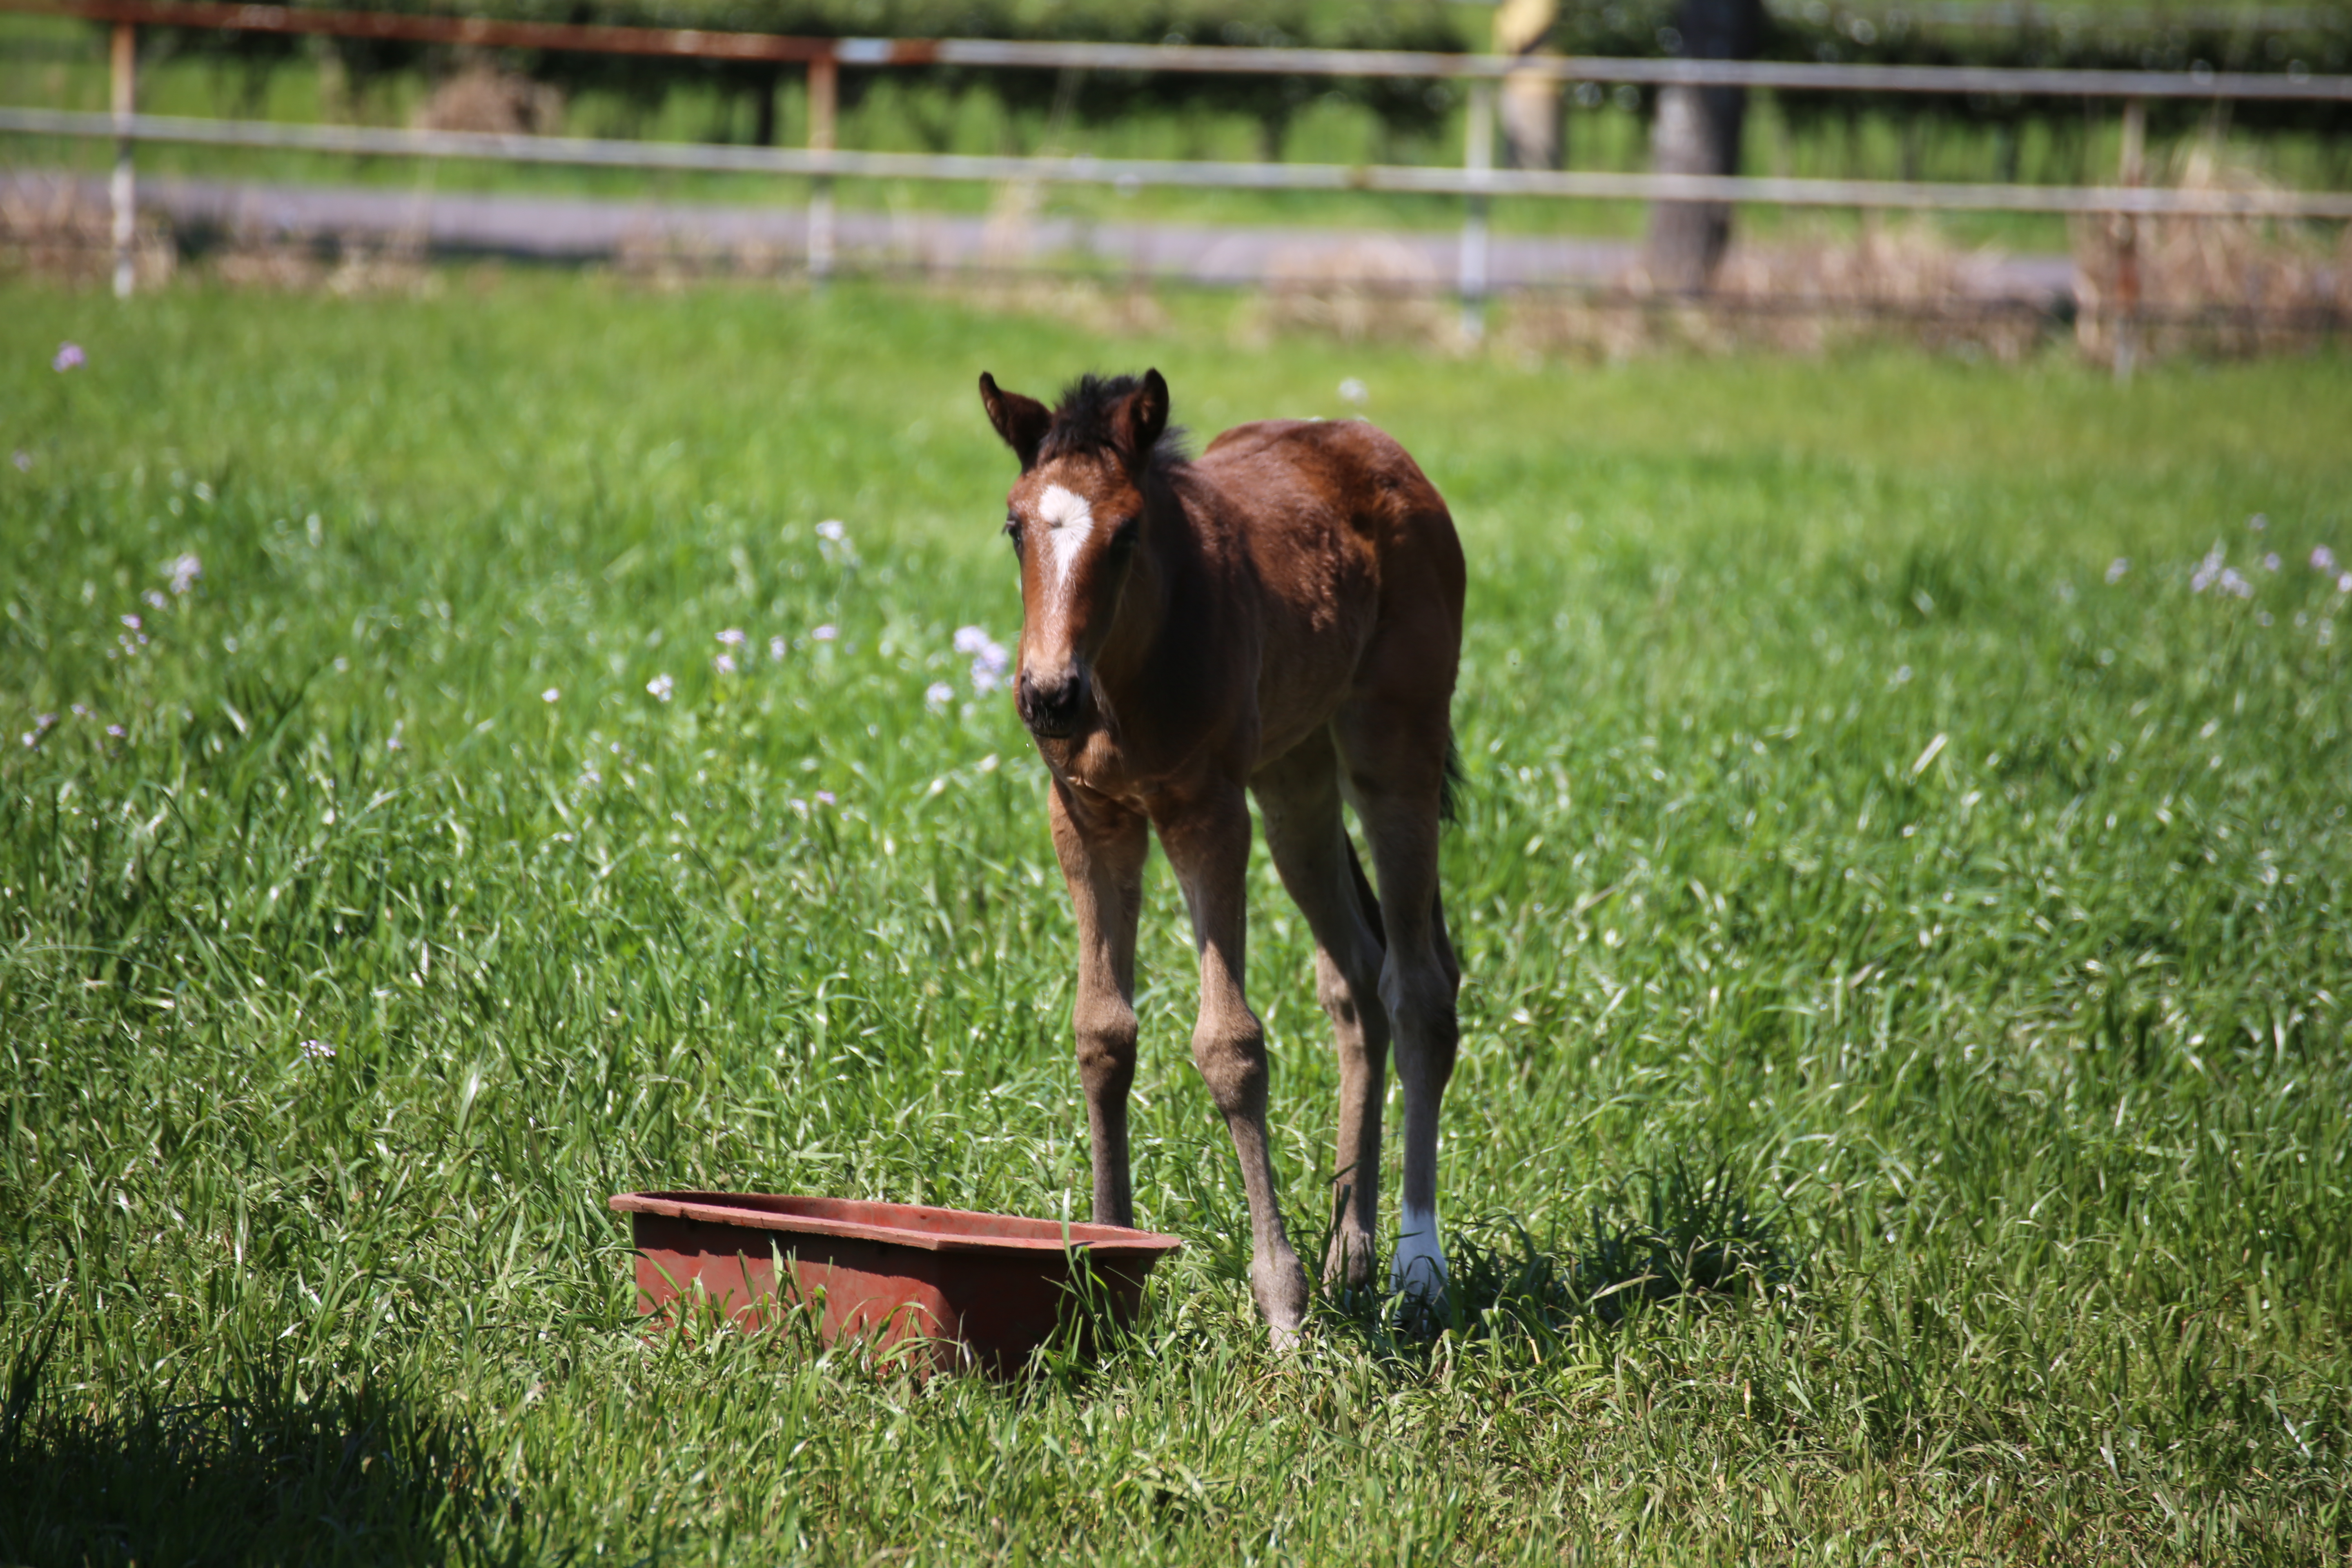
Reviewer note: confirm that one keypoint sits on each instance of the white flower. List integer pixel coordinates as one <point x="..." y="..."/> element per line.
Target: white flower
<point x="724" y="664"/>
<point x="2116" y="570"/>
<point x="1355" y="392"/>
<point x="2208" y="570"/>
<point x="832" y="542"/>
<point x="1902" y="673"/>
<point x="661" y="686"/>
<point x="730" y="637"/>
<point x="317" y="1050"/>
<point x="2322" y="558"/>
<point x="988" y="667"/>
<point x="776" y="648"/>
<point x="824" y="797"/>
<point x="184" y="571"/>
<point x="938" y="695"/>
<point x="826" y="632"/>
<point x="2271" y="562"/>
<point x="2344" y="583"/>
<point x="154" y="600"/>
<point x="2233" y="584"/>
<point x="551" y="694"/>
<point x="969" y="641"/>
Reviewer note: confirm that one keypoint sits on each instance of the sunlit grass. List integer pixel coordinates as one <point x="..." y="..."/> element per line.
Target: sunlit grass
<point x="1838" y="834"/>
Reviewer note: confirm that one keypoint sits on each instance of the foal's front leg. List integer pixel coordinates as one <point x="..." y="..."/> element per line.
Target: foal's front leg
<point x="1102" y="846"/>
<point x="1208" y="845"/>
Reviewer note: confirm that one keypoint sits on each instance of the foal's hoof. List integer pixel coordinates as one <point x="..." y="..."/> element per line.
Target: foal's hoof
<point x="1281" y="1291"/>
<point x="1347" y="1263"/>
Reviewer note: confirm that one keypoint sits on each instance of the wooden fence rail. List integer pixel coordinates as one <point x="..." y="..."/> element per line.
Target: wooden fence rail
<point x="1477" y="182"/>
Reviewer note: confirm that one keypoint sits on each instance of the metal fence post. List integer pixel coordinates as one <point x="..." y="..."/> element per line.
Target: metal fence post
<point x="825" y="98"/>
<point x="2134" y="169"/>
<point x="124" y="63"/>
<point x="1477" y="161"/>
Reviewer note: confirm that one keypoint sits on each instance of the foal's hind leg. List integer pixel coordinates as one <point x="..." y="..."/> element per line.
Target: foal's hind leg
<point x="1298" y="801"/>
<point x="1394" y="757"/>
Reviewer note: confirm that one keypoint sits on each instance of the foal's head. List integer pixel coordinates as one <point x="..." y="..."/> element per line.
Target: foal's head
<point x="1089" y="469"/>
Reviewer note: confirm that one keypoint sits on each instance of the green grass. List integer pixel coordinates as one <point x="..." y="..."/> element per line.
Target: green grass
<point x="1833" y="826"/>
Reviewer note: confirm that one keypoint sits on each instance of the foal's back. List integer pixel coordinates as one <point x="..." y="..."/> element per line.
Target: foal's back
<point x="1359" y="560"/>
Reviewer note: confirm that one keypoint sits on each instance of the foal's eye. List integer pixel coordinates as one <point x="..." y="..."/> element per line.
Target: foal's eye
<point x="1013" y="533"/>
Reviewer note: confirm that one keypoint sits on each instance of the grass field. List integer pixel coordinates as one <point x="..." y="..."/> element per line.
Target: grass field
<point x="1871" y="800"/>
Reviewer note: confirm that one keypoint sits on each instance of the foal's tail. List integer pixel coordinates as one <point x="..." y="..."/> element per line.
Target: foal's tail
<point x="1449" y="793"/>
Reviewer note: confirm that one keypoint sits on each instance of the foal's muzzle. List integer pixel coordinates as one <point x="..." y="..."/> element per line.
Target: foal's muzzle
<point x="1051" y="707"/>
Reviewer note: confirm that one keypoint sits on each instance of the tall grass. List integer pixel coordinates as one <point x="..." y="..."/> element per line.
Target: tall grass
<point x="1865" y="900"/>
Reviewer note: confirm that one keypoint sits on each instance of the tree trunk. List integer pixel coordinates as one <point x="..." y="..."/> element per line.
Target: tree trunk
<point x="1697" y="133"/>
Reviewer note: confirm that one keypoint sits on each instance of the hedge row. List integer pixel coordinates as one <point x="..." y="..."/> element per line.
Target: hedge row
<point x="1639" y="28"/>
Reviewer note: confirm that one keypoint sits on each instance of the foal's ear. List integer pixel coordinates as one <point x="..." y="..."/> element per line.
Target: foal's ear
<point x="1022" y="421"/>
<point x="1143" y="414"/>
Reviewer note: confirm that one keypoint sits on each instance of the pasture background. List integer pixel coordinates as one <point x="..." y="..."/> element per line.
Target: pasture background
<point x="2030" y="1043"/>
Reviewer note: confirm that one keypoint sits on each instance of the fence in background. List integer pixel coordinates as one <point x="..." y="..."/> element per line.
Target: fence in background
<point x="1477" y="181"/>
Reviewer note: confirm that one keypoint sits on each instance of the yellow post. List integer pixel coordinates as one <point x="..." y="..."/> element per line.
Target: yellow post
<point x="2134" y="169"/>
<point x="124" y="61"/>
<point x="824" y="90"/>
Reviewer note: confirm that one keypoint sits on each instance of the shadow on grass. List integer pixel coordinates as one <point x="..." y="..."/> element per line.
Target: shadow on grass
<point x="266" y="1476"/>
<point x="1682" y="1236"/>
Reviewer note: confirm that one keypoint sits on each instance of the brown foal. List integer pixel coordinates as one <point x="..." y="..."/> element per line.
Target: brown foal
<point x="1281" y="616"/>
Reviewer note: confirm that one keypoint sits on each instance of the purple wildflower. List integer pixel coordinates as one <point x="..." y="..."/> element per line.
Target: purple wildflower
<point x="184" y="570"/>
<point x="724" y="664"/>
<point x="2271" y="562"/>
<point x="826" y="632"/>
<point x="115" y="730"/>
<point x="552" y="694"/>
<point x="2322" y="558"/>
<point x="68" y="357"/>
<point x="777" y="646"/>
<point x="730" y="638"/>
<point x="661" y="686"/>
<point x="2259" y="522"/>
<point x="988" y="658"/>
<point x="2116" y="568"/>
<point x="2208" y="570"/>
<point x="24" y="461"/>
<point x="2233" y="584"/>
<point x="938" y="695"/>
<point x="824" y="797"/>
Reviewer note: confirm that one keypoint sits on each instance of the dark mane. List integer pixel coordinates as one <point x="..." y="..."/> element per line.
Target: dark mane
<point x="1082" y="422"/>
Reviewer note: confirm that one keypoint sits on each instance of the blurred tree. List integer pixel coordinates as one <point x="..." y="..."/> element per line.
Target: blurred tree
<point x="1697" y="131"/>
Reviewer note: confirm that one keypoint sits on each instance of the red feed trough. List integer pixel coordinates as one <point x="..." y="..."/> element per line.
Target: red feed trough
<point x="985" y="1288"/>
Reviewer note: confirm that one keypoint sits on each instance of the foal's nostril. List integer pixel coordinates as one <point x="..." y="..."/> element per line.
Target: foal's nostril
<point x="1051" y="705"/>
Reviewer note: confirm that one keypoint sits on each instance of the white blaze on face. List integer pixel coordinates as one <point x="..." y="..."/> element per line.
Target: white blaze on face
<point x="1418" y="1267"/>
<point x="1069" y="522"/>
